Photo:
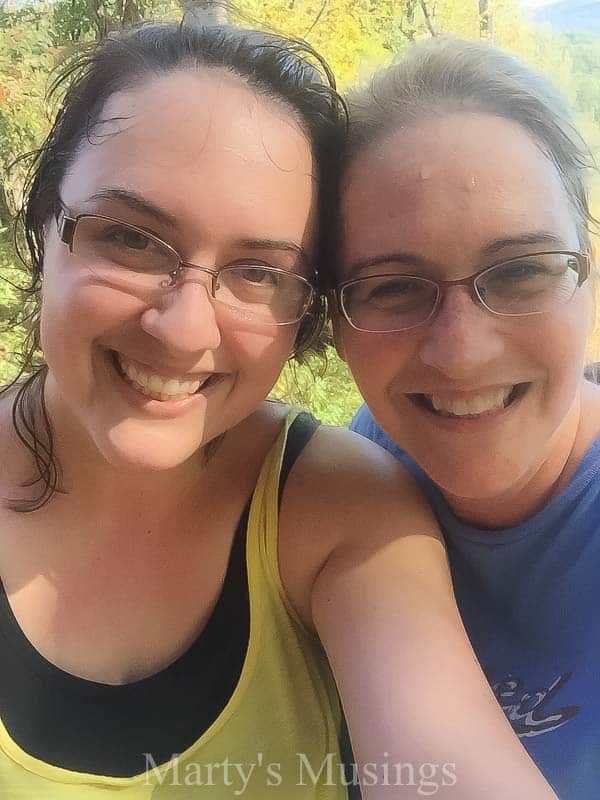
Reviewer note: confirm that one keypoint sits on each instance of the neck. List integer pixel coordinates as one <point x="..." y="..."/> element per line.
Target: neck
<point x="546" y="480"/>
<point x="94" y="489"/>
<point x="106" y="498"/>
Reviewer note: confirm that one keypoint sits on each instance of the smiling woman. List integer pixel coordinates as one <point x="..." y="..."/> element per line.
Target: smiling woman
<point x="465" y="305"/>
<point x="194" y="561"/>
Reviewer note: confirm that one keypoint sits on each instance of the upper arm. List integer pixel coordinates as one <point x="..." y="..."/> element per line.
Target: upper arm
<point x="380" y="597"/>
<point x="333" y="491"/>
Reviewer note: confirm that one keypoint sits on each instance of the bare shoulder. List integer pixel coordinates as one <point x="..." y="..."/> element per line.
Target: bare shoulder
<point x="349" y="497"/>
<point x="352" y="479"/>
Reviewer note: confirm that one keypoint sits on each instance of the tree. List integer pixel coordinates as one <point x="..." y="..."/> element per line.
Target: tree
<point x="355" y="36"/>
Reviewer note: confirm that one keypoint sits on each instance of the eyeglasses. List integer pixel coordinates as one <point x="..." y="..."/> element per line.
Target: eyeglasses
<point x="530" y="284"/>
<point x="131" y="258"/>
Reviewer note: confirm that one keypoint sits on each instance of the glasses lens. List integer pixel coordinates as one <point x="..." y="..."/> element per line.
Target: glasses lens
<point x="264" y="294"/>
<point x="122" y="254"/>
<point x="530" y="284"/>
<point x="388" y="302"/>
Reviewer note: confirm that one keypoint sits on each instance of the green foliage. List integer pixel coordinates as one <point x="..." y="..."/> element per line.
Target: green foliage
<point x="356" y="36"/>
<point x="87" y="20"/>
<point x="11" y="334"/>
<point x="324" y="385"/>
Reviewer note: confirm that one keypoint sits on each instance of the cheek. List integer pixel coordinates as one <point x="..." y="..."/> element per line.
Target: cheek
<point x="65" y="321"/>
<point x="567" y="332"/>
<point x="375" y="359"/>
<point x="75" y="315"/>
<point x="561" y="346"/>
<point x="263" y="351"/>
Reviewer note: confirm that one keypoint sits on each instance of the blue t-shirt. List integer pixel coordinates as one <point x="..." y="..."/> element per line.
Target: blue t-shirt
<point x="530" y="601"/>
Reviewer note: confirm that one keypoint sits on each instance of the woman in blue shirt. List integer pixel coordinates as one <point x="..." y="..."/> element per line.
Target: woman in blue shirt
<point x="464" y="305"/>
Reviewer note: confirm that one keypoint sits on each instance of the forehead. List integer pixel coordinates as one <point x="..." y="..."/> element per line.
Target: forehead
<point x="198" y="142"/>
<point x="446" y="187"/>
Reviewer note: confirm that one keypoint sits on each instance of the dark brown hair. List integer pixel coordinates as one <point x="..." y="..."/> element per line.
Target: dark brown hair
<point x="286" y="70"/>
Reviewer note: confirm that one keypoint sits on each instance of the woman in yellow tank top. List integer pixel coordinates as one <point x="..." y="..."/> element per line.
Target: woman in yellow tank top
<point x="169" y="615"/>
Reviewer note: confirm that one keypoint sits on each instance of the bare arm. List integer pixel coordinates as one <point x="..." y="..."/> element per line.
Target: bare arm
<point x="412" y="690"/>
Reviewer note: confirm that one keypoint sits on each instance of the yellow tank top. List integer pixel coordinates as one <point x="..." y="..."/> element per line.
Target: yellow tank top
<point x="278" y="734"/>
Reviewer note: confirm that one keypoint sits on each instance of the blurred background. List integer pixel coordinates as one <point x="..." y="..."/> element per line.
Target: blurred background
<point x="560" y="39"/>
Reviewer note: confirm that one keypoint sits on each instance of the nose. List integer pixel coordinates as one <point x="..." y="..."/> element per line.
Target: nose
<point x="184" y="319"/>
<point x="462" y="337"/>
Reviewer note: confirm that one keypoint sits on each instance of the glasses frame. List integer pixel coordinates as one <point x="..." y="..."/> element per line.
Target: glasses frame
<point x="583" y="272"/>
<point x="67" y="226"/>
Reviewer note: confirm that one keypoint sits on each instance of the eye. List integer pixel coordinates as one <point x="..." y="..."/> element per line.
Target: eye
<point x="525" y="278"/>
<point x="124" y="246"/>
<point x="519" y="271"/>
<point x="128" y="237"/>
<point x="259" y="275"/>
<point x="397" y="286"/>
<point x="387" y="293"/>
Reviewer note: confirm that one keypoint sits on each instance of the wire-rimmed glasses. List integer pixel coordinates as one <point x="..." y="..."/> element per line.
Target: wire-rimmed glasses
<point x="134" y="259"/>
<point x="534" y="283"/>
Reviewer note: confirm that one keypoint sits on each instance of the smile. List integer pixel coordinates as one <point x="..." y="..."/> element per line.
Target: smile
<point x="487" y="403"/>
<point x="159" y="387"/>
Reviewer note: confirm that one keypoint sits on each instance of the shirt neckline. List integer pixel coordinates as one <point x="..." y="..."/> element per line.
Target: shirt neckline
<point x="539" y="523"/>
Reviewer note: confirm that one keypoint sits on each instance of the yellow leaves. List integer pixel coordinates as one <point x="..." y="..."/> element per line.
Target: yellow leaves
<point x="346" y="32"/>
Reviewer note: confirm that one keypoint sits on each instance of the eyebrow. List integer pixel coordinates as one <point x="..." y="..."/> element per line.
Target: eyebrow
<point x="280" y="245"/>
<point x="533" y="238"/>
<point x="410" y="259"/>
<point x="136" y="202"/>
<point x="491" y="249"/>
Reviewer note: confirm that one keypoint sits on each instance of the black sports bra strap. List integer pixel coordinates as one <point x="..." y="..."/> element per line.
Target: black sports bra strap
<point x="300" y="433"/>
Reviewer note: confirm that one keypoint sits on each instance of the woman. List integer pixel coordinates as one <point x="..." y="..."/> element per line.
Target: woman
<point x="160" y="629"/>
<point x="466" y="301"/>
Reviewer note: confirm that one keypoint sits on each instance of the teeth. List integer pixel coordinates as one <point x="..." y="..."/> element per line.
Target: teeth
<point x="149" y="383"/>
<point x="156" y="384"/>
<point x="173" y="387"/>
<point x="492" y="401"/>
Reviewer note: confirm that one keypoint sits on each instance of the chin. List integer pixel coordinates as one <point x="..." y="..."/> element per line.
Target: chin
<point x="140" y="451"/>
<point x="473" y="478"/>
<point x="471" y="487"/>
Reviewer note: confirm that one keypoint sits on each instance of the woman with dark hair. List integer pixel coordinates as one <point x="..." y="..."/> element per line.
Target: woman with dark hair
<point x="162" y="631"/>
<point x="465" y="301"/>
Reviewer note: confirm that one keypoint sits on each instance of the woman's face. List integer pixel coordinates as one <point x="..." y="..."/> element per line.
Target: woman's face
<point x="224" y="176"/>
<point x="480" y="401"/>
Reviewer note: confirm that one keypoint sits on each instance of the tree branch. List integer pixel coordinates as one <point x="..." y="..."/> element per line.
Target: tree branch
<point x="316" y="20"/>
<point x="428" y="20"/>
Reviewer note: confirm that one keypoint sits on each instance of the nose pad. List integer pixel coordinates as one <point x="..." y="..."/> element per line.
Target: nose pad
<point x="462" y="336"/>
<point x="184" y="319"/>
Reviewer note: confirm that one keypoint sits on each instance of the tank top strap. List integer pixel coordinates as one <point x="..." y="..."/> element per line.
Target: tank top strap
<point x="300" y="432"/>
<point x="263" y="522"/>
